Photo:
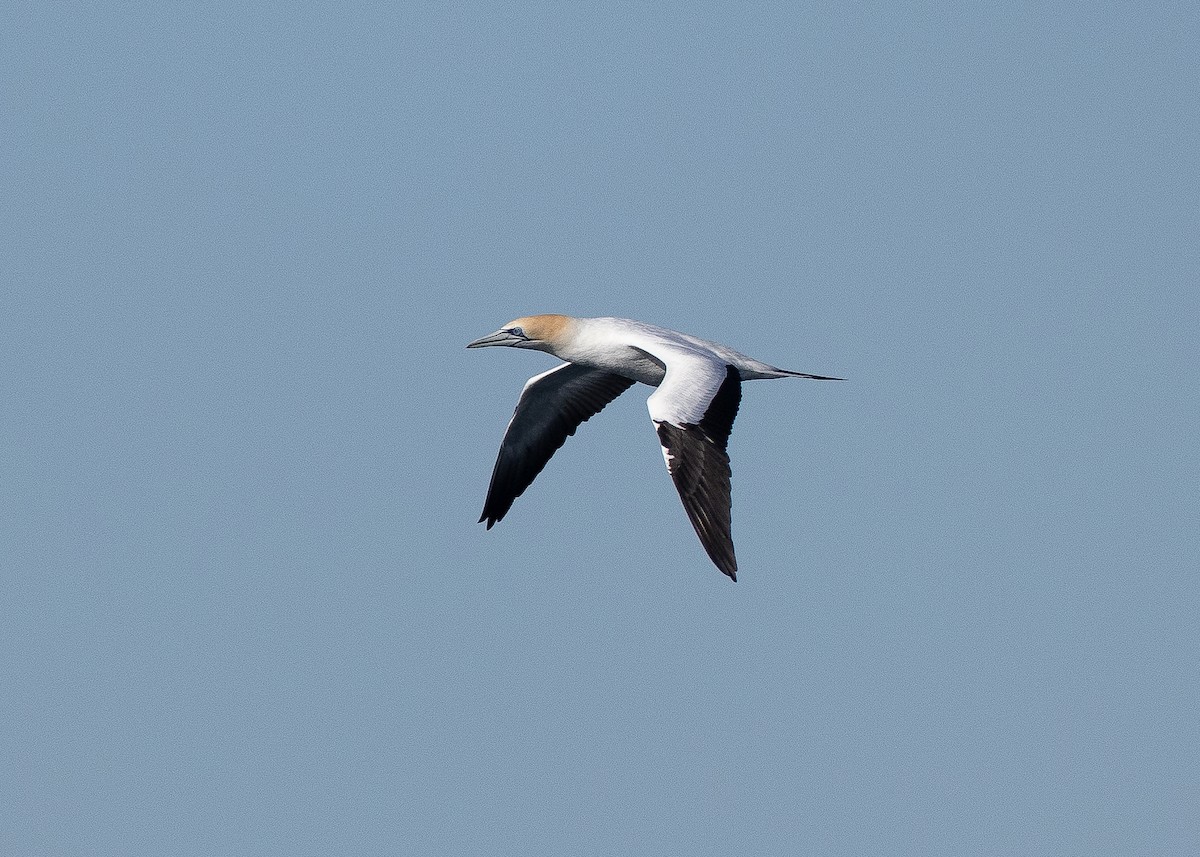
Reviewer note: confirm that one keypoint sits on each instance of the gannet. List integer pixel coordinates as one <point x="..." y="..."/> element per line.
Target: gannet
<point x="699" y="388"/>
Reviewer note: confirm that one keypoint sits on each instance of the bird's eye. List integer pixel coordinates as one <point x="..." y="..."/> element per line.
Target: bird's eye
<point x="516" y="331"/>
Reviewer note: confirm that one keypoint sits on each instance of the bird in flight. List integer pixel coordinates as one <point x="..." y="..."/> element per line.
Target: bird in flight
<point x="699" y="388"/>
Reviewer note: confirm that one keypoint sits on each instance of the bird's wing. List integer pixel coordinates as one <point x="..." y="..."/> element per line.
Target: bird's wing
<point x="693" y="412"/>
<point x="551" y="407"/>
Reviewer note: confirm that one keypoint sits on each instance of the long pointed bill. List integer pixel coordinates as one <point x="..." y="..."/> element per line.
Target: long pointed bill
<point x="500" y="337"/>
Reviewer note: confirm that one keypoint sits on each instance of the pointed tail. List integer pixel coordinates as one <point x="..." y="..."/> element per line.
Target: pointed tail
<point x="792" y="374"/>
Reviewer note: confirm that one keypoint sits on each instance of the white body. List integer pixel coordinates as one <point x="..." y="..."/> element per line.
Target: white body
<point x="621" y="345"/>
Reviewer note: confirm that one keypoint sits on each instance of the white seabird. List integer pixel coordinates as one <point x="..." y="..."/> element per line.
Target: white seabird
<point x="699" y="388"/>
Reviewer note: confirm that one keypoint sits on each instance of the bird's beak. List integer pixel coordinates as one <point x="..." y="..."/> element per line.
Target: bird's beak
<point x="500" y="337"/>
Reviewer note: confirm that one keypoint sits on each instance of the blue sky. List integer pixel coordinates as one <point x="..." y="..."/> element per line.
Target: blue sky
<point x="247" y="606"/>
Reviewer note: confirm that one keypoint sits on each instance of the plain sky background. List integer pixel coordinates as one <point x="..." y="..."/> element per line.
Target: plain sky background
<point x="246" y="607"/>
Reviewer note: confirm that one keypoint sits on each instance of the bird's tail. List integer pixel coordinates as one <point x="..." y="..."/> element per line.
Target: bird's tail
<point x="789" y="373"/>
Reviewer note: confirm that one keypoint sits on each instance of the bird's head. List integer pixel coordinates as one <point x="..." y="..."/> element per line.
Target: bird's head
<point x="540" y="332"/>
